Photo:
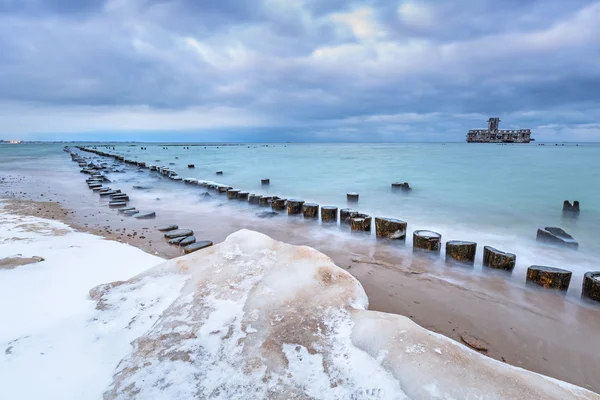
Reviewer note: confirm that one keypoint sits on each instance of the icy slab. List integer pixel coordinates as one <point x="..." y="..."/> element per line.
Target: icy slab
<point x="250" y="318"/>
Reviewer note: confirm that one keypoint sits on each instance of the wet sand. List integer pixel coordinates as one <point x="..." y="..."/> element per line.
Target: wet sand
<point x="535" y="329"/>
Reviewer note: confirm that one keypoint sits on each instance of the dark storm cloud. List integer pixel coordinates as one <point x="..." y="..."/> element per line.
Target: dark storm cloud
<point x="322" y="70"/>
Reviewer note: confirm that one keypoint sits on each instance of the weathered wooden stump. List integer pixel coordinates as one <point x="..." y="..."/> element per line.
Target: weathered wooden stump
<point x="556" y="236"/>
<point x="494" y="258"/>
<point x="232" y="194"/>
<point x="265" y="181"/>
<point x="253" y="198"/>
<point x="242" y="196"/>
<point x="427" y="241"/>
<point x="346" y="214"/>
<point x="591" y="285"/>
<point x="549" y="277"/>
<point x="570" y="210"/>
<point x="223" y="189"/>
<point x="360" y="223"/>
<point x="278" y="204"/>
<point x="310" y="210"/>
<point x="390" y="228"/>
<point x="264" y="201"/>
<point x="404" y="186"/>
<point x="329" y="214"/>
<point x="219" y="172"/>
<point x="461" y="252"/>
<point x="352" y="197"/>
<point x="294" y="206"/>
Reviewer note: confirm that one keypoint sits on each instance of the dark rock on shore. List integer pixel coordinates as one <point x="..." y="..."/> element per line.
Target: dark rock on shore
<point x="140" y="187"/>
<point x="187" y="241"/>
<point x="267" y="214"/>
<point x="146" y="215"/>
<point x="197" y="246"/>
<point x="461" y="252"/>
<point x="427" y="241"/>
<point x="591" y="285"/>
<point x="549" y="277"/>
<point x="557" y="236"/>
<point x="177" y="240"/>
<point x="178" y="232"/>
<point x="166" y="228"/>
<point x="390" y="228"/>
<point x="494" y="258"/>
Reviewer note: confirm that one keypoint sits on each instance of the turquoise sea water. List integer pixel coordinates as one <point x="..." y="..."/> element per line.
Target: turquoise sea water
<point x="492" y="194"/>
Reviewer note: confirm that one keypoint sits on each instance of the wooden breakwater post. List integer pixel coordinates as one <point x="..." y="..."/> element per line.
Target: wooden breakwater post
<point x="352" y="197"/>
<point x="390" y="228"/>
<point x="427" y="241"/>
<point x="591" y="286"/>
<point x="253" y="198"/>
<point x="496" y="259"/>
<point x="346" y="214"/>
<point x="549" y="277"/>
<point x="265" y="201"/>
<point x="278" y="204"/>
<point x="310" y="210"/>
<point x="294" y="206"/>
<point x="219" y="172"/>
<point x="265" y="181"/>
<point x="398" y="186"/>
<point x="329" y="214"/>
<point x="242" y="196"/>
<point x="570" y="210"/>
<point x="361" y="223"/>
<point x="232" y="194"/>
<point x="459" y="251"/>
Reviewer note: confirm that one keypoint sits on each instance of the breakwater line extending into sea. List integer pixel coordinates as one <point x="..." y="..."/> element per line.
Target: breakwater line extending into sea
<point x="457" y="252"/>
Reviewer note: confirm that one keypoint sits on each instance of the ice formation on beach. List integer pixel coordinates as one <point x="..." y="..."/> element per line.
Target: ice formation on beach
<point x="248" y="318"/>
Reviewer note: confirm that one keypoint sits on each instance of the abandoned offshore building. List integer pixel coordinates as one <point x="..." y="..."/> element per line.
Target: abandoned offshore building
<point x="494" y="135"/>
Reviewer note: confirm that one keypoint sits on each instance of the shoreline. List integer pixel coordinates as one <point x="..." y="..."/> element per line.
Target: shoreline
<point x="523" y="327"/>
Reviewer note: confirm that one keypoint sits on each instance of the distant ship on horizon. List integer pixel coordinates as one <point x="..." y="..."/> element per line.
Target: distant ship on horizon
<point x="494" y="135"/>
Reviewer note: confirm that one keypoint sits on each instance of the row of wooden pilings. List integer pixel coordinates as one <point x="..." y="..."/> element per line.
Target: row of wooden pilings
<point x="424" y="241"/>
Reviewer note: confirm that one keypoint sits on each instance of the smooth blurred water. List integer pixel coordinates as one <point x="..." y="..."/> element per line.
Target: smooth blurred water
<point x="492" y="194"/>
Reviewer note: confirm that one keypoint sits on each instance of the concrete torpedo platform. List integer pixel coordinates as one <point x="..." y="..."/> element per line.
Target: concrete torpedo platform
<point x="310" y="210"/>
<point x="549" y="277"/>
<point x="427" y="241"/>
<point x="329" y="214"/>
<point x="591" y="285"/>
<point x="496" y="259"/>
<point x="458" y="251"/>
<point x="390" y="228"/>
<point x="294" y="206"/>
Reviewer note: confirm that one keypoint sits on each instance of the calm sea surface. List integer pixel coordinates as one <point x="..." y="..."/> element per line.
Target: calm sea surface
<point x="493" y="194"/>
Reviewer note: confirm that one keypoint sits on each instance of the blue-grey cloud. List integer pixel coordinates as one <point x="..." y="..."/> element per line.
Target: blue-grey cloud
<point x="306" y="69"/>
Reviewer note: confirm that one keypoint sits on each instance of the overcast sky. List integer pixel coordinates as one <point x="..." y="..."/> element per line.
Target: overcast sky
<point x="298" y="70"/>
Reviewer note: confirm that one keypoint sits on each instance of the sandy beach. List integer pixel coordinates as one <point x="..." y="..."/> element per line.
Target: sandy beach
<point x="534" y="329"/>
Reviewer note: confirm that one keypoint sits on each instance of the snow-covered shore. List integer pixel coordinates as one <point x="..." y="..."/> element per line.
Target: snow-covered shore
<point x="248" y="318"/>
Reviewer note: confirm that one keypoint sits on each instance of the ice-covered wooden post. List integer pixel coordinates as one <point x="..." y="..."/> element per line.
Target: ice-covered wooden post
<point x="310" y="210"/>
<point x="329" y="214"/>
<point x="591" y="285"/>
<point x="294" y="206"/>
<point x="352" y="197"/>
<point x="549" y="277"/>
<point x="390" y="228"/>
<point x="461" y="251"/>
<point x="427" y="241"/>
<point x="494" y="258"/>
<point x="360" y="223"/>
<point x="278" y="204"/>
